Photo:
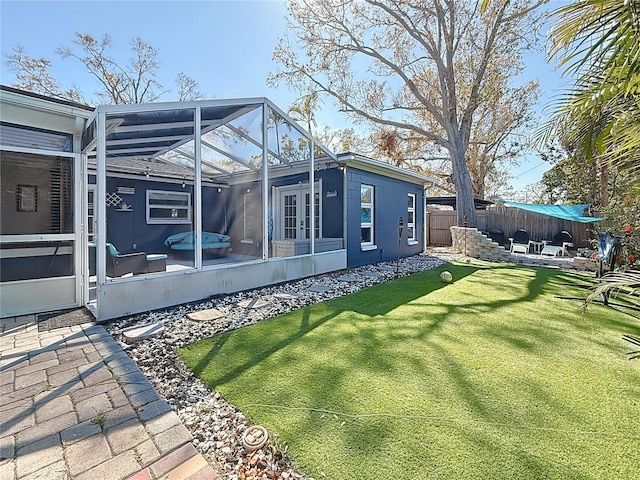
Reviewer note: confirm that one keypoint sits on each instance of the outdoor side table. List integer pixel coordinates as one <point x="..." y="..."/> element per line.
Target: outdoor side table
<point x="536" y="247"/>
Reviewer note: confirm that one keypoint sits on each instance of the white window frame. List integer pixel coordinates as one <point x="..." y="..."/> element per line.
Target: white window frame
<point x="169" y="219"/>
<point x="364" y="246"/>
<point x="413" y="240"/>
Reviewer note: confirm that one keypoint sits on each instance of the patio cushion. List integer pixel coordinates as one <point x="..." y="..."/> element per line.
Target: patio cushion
<point x="112" y="250"/>
<point x="210" y="241"/>
<point x="156" y="256"/>
<point x="205" y="246"/>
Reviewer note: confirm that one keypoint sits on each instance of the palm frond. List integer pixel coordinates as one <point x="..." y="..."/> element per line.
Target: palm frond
<point x="598" y="42"/>
<point x="635" y="341"/>
<point x="617" y="284"/>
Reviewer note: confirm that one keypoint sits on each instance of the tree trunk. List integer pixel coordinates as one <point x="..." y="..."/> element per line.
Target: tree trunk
<point x="465" y="206"/>
<point x="604" y="184"/>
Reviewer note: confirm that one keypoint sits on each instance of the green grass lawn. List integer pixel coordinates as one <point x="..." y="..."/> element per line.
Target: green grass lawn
<point x="488" y="377"/>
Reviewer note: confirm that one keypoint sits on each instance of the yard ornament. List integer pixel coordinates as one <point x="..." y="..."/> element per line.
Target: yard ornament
<point x="446" y="277"/>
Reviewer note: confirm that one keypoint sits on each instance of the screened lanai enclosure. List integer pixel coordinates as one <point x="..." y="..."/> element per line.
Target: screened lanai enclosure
<point x="193" y="199"/>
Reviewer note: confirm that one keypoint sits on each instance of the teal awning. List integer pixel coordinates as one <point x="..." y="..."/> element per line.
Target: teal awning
<point x="573" y="213"/>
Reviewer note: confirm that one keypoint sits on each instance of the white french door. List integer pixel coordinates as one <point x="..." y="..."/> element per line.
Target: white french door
<point x="292" y="212"/>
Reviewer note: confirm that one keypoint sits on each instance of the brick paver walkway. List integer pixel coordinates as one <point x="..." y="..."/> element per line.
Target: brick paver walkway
<point x="73" y="405"/>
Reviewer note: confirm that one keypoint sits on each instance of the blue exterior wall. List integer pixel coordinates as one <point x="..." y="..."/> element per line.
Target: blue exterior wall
<point x="128" y="228"/>
<point x="332" y="218"/>
<point x="222" y="212"/>
<point x="390" y="203"/>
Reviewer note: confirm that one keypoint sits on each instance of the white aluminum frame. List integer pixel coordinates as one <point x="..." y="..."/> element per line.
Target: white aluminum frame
<point x="371" y="245"/>
<point x="46" y="294"/>
<point x="165" y="220"/>
<point x="412" y="240"/>
<point x="131" y="295"/>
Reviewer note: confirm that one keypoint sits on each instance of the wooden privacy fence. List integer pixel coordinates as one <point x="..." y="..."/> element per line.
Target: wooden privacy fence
<point x="507" y="221"/>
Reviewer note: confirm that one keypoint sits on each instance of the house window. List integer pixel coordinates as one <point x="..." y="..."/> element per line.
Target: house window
<point x="168" y="207"/>
<point x="250" y="219"/>
<point x="411" y="219"/>
<point x="366" y="218"/>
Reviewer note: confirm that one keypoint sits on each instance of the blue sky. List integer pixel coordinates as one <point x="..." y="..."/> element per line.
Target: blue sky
<point x="226" y="46"/>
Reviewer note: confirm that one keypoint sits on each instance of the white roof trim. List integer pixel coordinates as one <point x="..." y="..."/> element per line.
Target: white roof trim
<point x="386" y="169"/>
<point x="13" y="98"/>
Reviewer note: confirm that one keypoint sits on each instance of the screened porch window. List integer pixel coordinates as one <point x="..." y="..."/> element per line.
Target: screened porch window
<point x="168" y="207"/>
<point x="366" y="218"/>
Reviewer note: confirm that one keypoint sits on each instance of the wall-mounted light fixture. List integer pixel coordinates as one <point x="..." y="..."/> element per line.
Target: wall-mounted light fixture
<point x="146" y="174"/>
<point x="248" y="190"/>
<point x="219" y="189"/>
<point x="184" y="184"/>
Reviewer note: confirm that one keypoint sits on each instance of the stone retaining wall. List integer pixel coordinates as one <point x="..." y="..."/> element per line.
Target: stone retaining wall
<point x="473" y="243"/>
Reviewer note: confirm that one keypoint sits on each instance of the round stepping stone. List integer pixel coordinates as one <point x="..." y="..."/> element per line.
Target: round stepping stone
<point x="370" y="274"/>
<point x="286" y="296"/>
<point x="384" y="268"/>
<point x="319" y="288"/>
<point x="135" y="334"/>
<point x="205" y="315"/>
<point x="347" y="278"/>
<point x="252" y="303"/>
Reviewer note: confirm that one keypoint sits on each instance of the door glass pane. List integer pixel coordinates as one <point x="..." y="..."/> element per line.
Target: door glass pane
<point x="290" y="216"/>
<point x="91" y="216"/>
<point x="307" y="222"/>
<point x="316" y="202"/>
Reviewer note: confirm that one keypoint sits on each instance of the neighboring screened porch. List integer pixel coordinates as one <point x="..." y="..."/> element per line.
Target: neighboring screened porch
<point x="192" y="199"/>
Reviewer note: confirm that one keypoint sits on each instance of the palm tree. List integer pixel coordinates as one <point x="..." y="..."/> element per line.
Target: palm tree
<point x="598" y="42"/>
<point x="304" y="110"/>
<point x="275" y="121"/>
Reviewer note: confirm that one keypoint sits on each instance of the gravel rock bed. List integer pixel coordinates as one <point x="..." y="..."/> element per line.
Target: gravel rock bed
<point x="217" y="427"/>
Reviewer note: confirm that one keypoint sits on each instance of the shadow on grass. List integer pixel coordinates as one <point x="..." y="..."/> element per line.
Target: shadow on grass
<point x="376" y="301"/>
<point x="379" y="300"/>
<point x="453" y="367"/>
<point x="267" y="347"/>
<point x="382" y="298"/>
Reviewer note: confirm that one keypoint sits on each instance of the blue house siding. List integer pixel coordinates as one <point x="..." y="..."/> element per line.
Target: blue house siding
<point x="390" y="203"/>
<point x="222" y="212"/>
<point x="128" y="228"/>
<point x="332" y="224"/>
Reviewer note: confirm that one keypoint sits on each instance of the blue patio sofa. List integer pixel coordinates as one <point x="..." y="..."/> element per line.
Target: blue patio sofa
<point x="186" y="241"/>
